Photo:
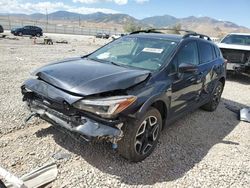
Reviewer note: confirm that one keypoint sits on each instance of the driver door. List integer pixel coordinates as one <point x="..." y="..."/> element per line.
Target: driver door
<point x="185" y="85"/>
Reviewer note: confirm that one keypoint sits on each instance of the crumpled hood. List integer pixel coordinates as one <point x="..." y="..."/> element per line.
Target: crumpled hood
<point x="87" y="77"/>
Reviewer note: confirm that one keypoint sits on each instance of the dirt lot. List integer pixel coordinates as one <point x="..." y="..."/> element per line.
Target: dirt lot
<point x="200" y="150"/>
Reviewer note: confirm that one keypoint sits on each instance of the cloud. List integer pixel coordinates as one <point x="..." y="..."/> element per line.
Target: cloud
<point x="119" y="2"/>
<point x="18" y="6"/>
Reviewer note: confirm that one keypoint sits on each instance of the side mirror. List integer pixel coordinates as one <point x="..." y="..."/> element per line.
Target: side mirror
<point x="187" y="68"/>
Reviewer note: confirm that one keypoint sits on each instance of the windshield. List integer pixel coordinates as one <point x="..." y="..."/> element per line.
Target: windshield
<point x="237" y="39"/>
<point x="139" y="52"/>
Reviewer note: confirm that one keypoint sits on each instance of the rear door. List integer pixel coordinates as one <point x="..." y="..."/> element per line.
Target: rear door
<point x="208" y="69"/>
<point x="185" y="86"/>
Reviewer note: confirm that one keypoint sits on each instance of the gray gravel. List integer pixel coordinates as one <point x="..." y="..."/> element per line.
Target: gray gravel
<point x="200" y="150"/>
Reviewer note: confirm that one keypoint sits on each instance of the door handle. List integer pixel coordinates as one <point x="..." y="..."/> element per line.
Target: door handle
<point x="192" y="79"/>
<point x="201" y="73"/>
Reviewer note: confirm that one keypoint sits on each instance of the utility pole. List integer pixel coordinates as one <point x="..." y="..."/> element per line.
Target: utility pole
<point x="9" y="22"/>
<point x="79" y="21"/>
<point x="47" y="17"/>
<point x="47" y="20"/>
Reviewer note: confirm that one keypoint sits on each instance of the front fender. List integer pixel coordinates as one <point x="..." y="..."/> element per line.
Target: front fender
<point x="163" y="97"/>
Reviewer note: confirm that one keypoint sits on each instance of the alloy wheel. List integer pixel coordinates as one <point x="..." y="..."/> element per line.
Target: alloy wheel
<point x="217" y="95"/>
<point x="146" y="135"/>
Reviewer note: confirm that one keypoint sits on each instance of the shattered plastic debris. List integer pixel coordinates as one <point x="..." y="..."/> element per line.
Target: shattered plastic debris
<point x="245" y="114"/>
<point x="35" y="178"/>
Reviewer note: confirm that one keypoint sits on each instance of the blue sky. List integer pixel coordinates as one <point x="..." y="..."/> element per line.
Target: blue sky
<point x="227" y="10"/>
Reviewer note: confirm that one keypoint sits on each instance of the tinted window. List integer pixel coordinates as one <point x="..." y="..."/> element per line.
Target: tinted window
<point x="206" y="52"/>
<point x="217" y="52"/>
<point x="173" y="66"/>
<point x="188" y="54"/>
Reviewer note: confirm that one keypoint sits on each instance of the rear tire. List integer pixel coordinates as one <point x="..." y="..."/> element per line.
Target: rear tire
<point x="141" y="136"/>
<point x="215" y="99"/>
<point x="38" y="35"/>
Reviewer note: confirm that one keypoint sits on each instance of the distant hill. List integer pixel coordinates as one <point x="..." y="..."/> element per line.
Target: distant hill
<point x="160" y="21"/>
<point x="206" y="25"/>
<point x="95" y="17"/>
<point x="210" y="26"/>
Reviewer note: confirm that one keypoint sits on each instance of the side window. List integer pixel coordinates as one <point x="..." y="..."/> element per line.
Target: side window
<point x="188" y="54"/>
<point x="217" y="52"/>
<point x="206" y="52"/>
<point x="173" y="66"/>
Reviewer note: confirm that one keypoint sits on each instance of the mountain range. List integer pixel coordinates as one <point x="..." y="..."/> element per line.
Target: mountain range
<point x="206" y="25"/>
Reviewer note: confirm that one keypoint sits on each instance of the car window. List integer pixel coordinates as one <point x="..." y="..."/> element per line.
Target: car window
<point x="188" y="54"/>
<point x="139" y="52"/>
<point x="26" y="27"/>
<point x="206" y="52"/>
<point x="236" y="39"/>
<point x="124" y="48"/>
<point x="217" y="52"/>
<point x="173" y="66"/>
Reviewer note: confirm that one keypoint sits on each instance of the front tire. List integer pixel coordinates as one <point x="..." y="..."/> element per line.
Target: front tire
<point x="215" y="99"/>
<point x="141" y="136"/>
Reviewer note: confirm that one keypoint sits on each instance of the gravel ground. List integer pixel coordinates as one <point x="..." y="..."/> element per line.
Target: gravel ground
<point x="200" y="150"/>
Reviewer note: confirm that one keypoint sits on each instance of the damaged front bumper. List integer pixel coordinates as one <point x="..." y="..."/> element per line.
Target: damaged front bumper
<point x="87" y="127"/>
<point x="237" y="67"/>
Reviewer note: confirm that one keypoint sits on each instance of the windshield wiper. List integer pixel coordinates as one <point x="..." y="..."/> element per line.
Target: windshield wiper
<point x="104" y="61"/>
<point x="113" y="63"/>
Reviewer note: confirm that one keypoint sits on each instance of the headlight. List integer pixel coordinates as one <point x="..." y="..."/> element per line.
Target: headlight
<point x="106" y="107"/>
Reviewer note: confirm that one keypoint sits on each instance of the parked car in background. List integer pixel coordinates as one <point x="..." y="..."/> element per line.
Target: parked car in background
<point x="128" y="90"/>
<point x="235" y="47"/>
<point x="27" y="30"/>
<point x="1" y="29"/>
<point x="102" y="35"/>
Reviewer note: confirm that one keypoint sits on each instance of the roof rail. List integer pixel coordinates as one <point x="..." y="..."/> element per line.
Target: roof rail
<point x="205" y="37"/>
<point x="158" y="30"/>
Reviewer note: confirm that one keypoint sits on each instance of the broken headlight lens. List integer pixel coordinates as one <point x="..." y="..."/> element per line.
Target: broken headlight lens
<point x="106" y="107"/>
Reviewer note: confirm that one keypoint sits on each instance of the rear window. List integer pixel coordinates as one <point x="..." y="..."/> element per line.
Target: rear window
<point x="206" y="52"/>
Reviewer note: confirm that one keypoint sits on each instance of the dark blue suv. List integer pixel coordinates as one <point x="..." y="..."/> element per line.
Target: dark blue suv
<point x="128" y="90"/>
<point x="27" y="30"/>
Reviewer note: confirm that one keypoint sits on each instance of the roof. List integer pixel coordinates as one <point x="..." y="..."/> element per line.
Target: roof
<point x="173" y="37"/>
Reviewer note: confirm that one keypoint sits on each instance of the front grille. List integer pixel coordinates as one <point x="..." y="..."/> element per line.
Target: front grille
<point x="73" y="119"/>
<point x="236" y="56"/>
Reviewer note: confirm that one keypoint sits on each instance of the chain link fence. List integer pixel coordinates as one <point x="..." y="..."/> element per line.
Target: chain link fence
<point x="9" y="23"/>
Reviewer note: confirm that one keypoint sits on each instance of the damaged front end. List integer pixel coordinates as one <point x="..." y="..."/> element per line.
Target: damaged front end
<point x="238" y="60"/>
<point x="56" y="106"/>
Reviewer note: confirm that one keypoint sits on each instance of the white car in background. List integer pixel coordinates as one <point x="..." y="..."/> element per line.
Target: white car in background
<point x="235" y="47"/>
<point x="117" y="36"/>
